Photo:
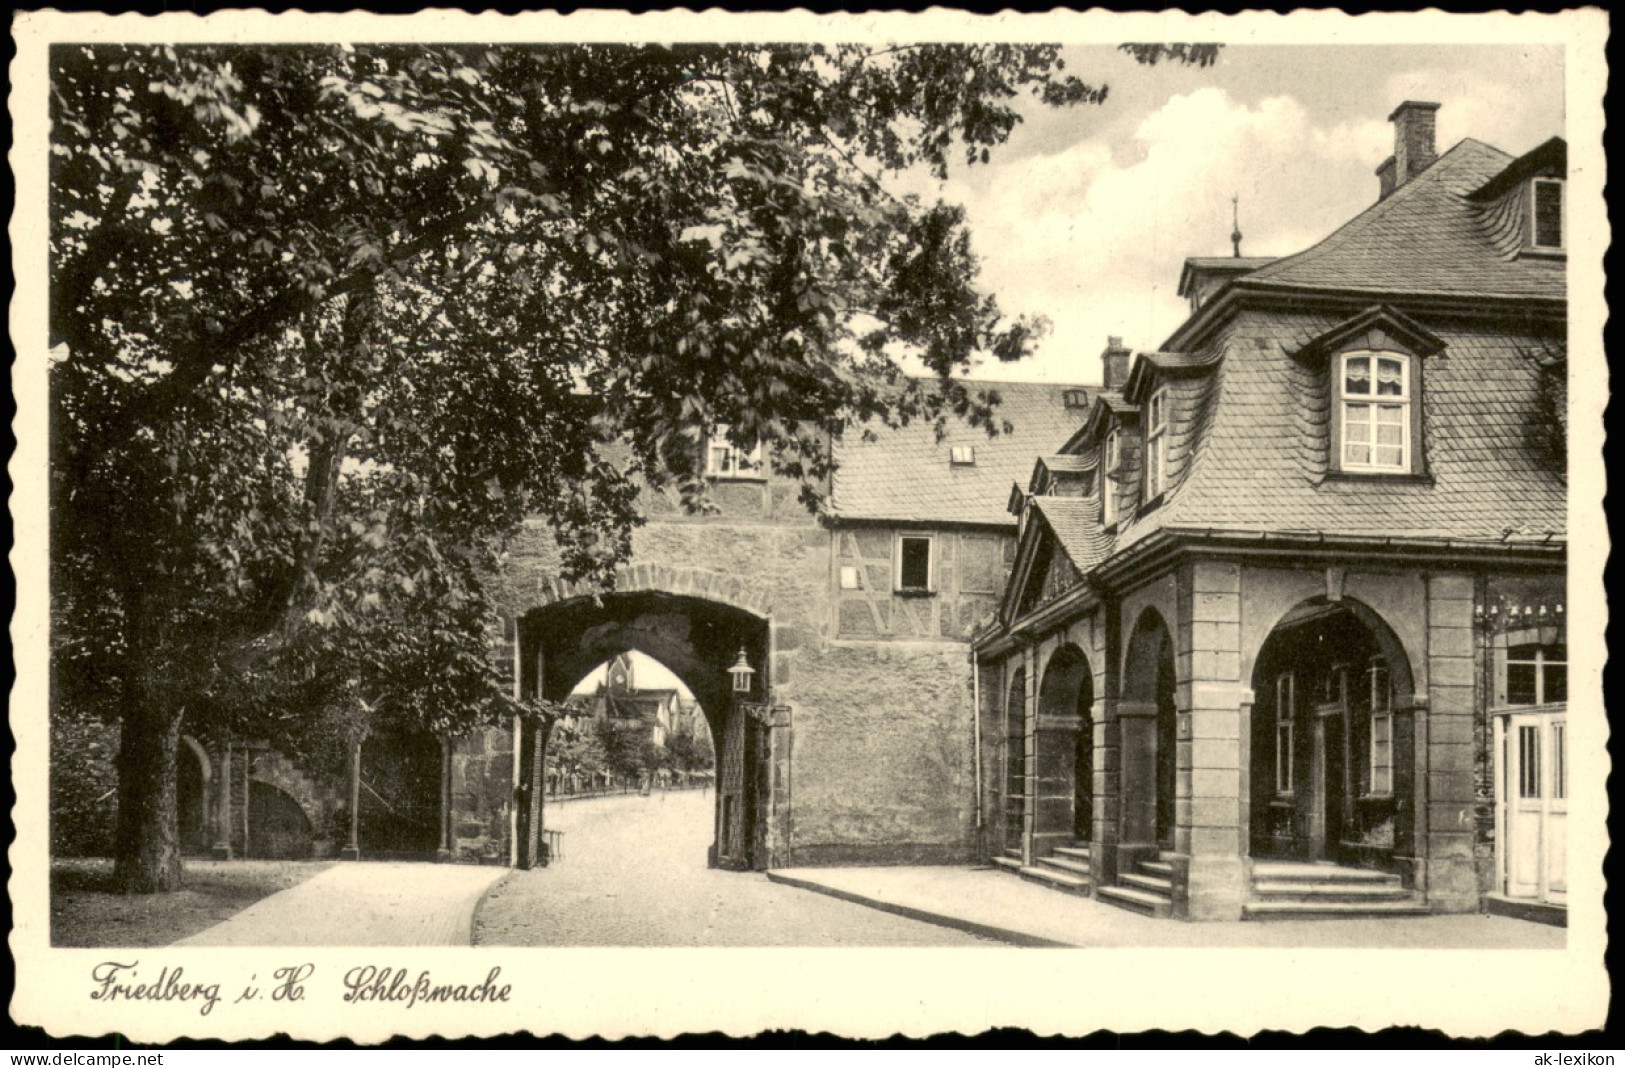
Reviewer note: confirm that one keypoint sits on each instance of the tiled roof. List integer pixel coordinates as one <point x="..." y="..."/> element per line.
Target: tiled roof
<point x="1426" y="238"/>
<point x="904" y="475"/>
<point x="1260" y="440"/>
<point x="1071" y="464"/>
<point x="1075" y="521"/>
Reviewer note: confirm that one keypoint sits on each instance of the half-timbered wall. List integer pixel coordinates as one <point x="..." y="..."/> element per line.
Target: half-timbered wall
<point x="968" y="574"/>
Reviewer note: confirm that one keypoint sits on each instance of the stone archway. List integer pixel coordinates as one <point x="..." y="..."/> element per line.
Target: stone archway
<point x="193" y="798"/>
<point x="1063" y="745"/>
<point x="1147" y="721"/>
<point x="1331" y="774"/>
<point x="698" y="638"/>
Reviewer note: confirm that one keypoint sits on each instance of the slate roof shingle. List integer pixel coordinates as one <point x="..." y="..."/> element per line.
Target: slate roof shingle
<point x="905" y="476"/>
<point x="1262" y="440"/>
<point x="1427" y="238"/>
<point x="1075" y="522"/>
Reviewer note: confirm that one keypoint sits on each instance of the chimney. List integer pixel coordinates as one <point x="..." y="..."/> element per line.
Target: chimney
<point x="1385" y="178"/>
<point x="1115" y="359"/>
<point x="1413" y="139"/>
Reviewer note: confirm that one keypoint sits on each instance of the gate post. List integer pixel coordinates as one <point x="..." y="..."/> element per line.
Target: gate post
<point x="352" y="845"/>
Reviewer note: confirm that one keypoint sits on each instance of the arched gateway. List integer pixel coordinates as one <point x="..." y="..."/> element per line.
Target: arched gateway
<point x="698" y="638"/>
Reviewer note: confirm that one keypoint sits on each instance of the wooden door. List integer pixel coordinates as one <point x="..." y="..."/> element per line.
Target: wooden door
<point x="1532" y="750"/>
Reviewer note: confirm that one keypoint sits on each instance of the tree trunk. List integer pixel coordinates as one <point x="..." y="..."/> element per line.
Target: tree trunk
<point x="147" y="852"/>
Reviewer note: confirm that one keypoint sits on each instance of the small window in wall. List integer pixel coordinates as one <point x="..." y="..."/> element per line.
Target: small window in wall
<point x="962" y="455"/>
<point x="914" y="563"/>
<point x="1537" y="675"/>
<point x="851" y="578"/>
<point x="1283" y="734"/>
<point x="1546" y="213"/>
<point x="724" y="459"/>
<point x="1529" y="761"/>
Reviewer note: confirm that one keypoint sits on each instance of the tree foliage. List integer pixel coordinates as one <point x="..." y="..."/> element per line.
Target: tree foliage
<point x="329" y="321"/>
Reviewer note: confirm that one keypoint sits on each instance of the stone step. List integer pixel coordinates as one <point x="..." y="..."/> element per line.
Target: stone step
<point x="1013" y="851"/>
<point x="1151" y="884"/>
<point x="1329" y="891"/>
<point x="1276" y="871"/>
<point x="1330" y="910"/>
<point x="1075" y="852"/>
<point x="1007" y="863"/>
<point x="1067" y="864"/>
<point x="1146" y="904"/>
<point x="1161" y="868"/>
<point x="1060" y="880"/>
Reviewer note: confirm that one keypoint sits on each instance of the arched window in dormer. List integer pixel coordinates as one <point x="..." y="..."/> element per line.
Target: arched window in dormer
<point x="1375" y="401"/>
<point x="1373" y="376"/>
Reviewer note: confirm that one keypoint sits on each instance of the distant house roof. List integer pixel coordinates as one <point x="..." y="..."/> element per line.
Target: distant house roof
<point x="905" y="474"/>
<point x="1220" y="266"/>
<point x="1428" y="238"/>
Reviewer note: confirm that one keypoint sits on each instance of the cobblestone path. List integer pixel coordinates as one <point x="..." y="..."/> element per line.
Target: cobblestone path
<point x="634" y="874"/>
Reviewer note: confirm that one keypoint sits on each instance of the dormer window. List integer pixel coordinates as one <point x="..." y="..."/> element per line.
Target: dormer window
<point x="1156" y="445"/>
<point x="962" y="455"/>
<point x="724" y="459"/>
<point x="1108" y="478"/>
<point x="1546" y="213"/>
<point x="1074" y="398"/>
<point x="1375" y="404"/>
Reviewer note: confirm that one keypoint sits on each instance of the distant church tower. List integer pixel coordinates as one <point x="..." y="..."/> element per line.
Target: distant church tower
<point x="618" y="679"/>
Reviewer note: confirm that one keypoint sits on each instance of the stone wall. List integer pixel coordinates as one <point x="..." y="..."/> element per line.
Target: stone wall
<point x="879" y="761"/>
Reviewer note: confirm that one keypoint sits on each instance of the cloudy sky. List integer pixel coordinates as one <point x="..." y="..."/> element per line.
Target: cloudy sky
<point x="1088" y="214"/>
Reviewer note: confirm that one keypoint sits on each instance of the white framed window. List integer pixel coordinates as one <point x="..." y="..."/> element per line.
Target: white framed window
<point x="724" y="459"/>
<point x="1537" y="675"/>
<point x="1108" y="478"/>
<point x="915" y="563"/>
<point x="1546" y="213"/>
<point x="1285" y="686"/>
<point x="1382" y="730"/>
<point x="1375" y="402"/>
<point x="1156" y="444"/>
<point x="962" y="455"/>
<point x="851" y="578"/>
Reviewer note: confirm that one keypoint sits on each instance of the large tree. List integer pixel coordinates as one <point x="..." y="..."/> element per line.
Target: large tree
<point x="329" y="321"/>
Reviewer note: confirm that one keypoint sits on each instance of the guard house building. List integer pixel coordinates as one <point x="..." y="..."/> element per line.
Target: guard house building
<point x="1285" y="631"/>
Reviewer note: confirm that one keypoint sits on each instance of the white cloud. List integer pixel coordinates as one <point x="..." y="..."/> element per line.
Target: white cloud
<point x="1097" y="245"/>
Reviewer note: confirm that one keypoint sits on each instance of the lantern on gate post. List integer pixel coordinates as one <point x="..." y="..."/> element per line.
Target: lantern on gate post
<point x="742" y="672"/>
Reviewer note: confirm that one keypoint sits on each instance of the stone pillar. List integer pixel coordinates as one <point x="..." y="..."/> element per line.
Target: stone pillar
<point x="352" y="843"/>
<point x="1029" y="745"/>
<point x="445" y="851"/>
<point x="1108" y="812"/>
<point x="221" y="849"/>
<point x="1209" y="824"/>
<point x="1451" y="877"/>
<point x="1103" y="654"/>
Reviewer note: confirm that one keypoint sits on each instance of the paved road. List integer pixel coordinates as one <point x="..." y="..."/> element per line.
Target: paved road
<point x="362" y="904"/>
<point x="634" y="874"/>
